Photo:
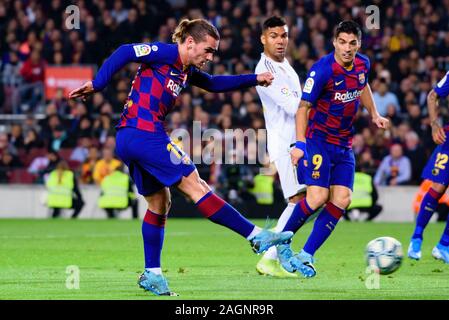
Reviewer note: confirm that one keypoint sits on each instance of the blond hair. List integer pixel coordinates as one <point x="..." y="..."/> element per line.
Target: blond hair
<point x="197" y="28"/>
<point x="60" y="168"/>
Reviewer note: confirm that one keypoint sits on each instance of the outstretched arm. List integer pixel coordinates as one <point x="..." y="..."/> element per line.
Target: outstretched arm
<point x="125" y="54"/>
<point x="229" y="83"/>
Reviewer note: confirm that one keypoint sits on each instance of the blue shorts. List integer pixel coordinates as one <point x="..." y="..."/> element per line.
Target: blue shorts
<point x="327" y="165"/>
<point x="153" y="159"/>
<point x="437" y="167"/>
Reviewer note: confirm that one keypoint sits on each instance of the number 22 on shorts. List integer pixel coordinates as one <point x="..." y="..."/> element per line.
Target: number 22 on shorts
<point x="441" y="161"/>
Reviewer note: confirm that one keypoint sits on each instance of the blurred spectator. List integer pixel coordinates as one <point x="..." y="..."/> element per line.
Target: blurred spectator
<point x="416" y="119"/>
<point x="60" y="102"/>
<point x="103" y="128"/>
<point x="33" y="73"/>
<point x="11" y="80"/>
<point x="119" y="13"/>
<point x="393" y="115"/>
<point x="358" y="144"/>
<point x="8" y="162"/>
<point x="5" y="146"/>
<point x="59" y="139"/>
<point x="85" y="127"/>
<point x="32" y="140"/>
<point x="384" y="98"/>
<point x="416" y="154"/>
<point x="29" y="124"/>
<point x="395" y="169"/>
<point x="88" y="166"/>
<point x="81" y="152"/>
<point x="16" y="137"/>
<point x="105" y="165"/>
<point x="366" y="163"/>
<point x="48" y="125"/>
<point x="42" y="165"/>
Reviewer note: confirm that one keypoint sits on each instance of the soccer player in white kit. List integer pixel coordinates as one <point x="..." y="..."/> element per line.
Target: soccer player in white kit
<point x="280" y="102"/>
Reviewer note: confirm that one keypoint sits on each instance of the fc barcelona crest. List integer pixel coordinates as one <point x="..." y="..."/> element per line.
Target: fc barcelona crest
<point x="361" y="78"/>
<point x="315" y="175"/>
<point x="435" y="171"/>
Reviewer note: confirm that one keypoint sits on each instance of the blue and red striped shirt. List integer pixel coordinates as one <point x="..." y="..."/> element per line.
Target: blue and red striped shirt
<point x="159" y="82"/>
<point x="335" y="96"/>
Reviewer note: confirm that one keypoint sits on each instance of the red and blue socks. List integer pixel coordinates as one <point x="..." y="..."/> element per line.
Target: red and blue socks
<point x="219" y="211"/>
<point x="444" y="241"/>
<point x="428" y="206"/>
<point x="153" y="227"/>
<point x="299" y="216"/>
<point x="323" y="227"/>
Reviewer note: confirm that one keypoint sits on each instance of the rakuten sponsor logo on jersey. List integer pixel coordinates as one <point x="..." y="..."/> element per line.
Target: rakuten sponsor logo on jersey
<point x="174" y="87"/>
<point x="347" y="96"/>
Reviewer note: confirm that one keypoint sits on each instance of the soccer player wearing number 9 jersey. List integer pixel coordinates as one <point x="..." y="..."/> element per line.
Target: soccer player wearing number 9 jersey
<point x="437" y="171"/>
<point x="332" y="93"/>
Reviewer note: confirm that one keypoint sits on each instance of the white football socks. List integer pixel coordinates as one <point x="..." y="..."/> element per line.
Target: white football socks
<point x="154" y="270"/>
<point x="282" y="221"/>
<point x="253" y="233"/>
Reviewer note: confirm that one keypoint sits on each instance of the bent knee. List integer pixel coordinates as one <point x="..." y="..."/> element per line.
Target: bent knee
<point x="317" y="199"/>
<point x="198" y="190"/>
<point x="159" y="203"/>
<point x="297" y="197"/>
<point x="204" y="186"/>
<point x="438" y="187"/>
<point x="161" y="208"/>
<point x="342" y="202"/>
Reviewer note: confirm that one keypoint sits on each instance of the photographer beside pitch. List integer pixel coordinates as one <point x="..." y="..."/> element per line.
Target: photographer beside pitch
<point x="147" y="150"/>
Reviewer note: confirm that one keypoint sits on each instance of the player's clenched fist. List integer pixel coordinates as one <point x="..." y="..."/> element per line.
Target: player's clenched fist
<point x="84" y="91"/>
<point x="381" y="122"/>
<point x="264" y="79"/>
<point x="296" y="154"/>
<point x="438" y="134"/>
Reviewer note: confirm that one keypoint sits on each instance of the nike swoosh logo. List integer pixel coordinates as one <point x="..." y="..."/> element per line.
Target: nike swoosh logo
<point x="338" y="83"/>
<point x="174" y="74"/>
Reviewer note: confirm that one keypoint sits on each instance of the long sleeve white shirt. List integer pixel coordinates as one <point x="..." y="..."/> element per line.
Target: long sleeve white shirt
<point x="280" y="102"/>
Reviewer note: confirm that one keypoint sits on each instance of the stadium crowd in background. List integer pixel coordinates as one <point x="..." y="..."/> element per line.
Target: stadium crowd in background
<point x="408" y="53"/>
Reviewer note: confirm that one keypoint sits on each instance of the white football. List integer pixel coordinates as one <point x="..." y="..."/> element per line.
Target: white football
<point x="384" y="254"/>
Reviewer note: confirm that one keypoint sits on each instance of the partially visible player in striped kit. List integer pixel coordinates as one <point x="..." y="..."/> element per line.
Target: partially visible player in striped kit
<point x="154" y="161"/>
<point x="437" y="171"/>
<point x="280" y="102"/>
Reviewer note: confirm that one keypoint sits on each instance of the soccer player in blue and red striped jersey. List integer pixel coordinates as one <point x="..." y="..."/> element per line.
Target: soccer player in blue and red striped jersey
<point x="437" y="171"/>
<point x="154" y="161"/>
<point x="332" y="93"/>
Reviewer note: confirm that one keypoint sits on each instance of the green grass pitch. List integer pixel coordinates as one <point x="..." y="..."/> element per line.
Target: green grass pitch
<point x="201" y="261"/>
